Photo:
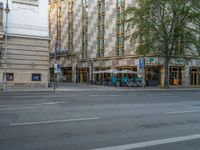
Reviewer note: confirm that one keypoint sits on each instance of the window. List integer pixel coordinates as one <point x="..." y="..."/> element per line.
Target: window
<point x="120" y="28"/>
<point x="120" y="3"/>
<point x="36" y="77"/>
<point x="84" y="28"/>
<point x="59" y="27"/>
<point x="100" y="24"/>
<point x="70" y="25"/>
<point x="85" y="3"/>
<point x="194" y="76"/>
<point x="175" y="76"/>
<point x="10" y="76"/>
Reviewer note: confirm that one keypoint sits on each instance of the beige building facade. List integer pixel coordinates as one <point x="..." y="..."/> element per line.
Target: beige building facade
<point x="91" y="36"/>
<point x="26" y="62"/>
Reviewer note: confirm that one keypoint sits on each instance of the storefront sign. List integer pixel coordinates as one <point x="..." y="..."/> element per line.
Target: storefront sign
<point x="152" y="60"/>
<point x="177" y="61"/>
<point x="27" y="2"/>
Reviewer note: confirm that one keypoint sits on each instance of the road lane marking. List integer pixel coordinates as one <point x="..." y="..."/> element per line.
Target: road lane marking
<point x="19" y="105"/>
<point x="44" y="96"/>
<point x="104" y="95"/>
<point x="182" y="112"/>
<point x="18" y="108"/>
<point x="27" y="106"/>
<point x="152" y="143"/>
<point x="52" y="121"/>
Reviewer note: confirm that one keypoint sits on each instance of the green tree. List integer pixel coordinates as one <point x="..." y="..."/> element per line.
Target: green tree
<point x="167" y="28"/>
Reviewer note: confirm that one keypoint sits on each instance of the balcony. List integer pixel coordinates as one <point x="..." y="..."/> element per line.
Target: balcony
<point x="60" y="53"/>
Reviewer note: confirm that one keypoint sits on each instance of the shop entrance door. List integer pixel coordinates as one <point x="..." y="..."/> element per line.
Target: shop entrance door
<point x="194" y="77"/>
<point x="175" y="76"/>
<point x="83" y="75"/>
<point x="152" y="76"/>
<point x="67" y="74"/>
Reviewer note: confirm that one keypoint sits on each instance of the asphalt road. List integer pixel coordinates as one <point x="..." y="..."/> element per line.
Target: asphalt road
<point x="154" y="120"/>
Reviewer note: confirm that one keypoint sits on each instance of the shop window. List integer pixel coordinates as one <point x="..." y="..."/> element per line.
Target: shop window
<point x="36" y="77"/>
<point x="10" y="76"/>
<point x="194" y="76"/>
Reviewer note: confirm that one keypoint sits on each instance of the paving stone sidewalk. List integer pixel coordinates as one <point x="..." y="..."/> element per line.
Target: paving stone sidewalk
<point x="87" y="87"/>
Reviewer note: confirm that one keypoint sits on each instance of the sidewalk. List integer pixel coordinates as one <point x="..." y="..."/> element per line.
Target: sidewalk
<point x="88" y="88"/>
<point x="113" y="89"/>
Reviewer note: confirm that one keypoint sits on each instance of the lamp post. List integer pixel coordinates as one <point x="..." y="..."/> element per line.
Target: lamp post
<point x="7" y="10"/>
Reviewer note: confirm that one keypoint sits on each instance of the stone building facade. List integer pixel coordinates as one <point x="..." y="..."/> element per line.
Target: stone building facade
<point x="96" y="31"/>
<point x="27" y="60"/>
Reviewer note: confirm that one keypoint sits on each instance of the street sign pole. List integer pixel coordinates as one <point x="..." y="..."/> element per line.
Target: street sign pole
<point x="54" y="83"/>
<point x="143" y="73"/>
<point x="142" y="66"/>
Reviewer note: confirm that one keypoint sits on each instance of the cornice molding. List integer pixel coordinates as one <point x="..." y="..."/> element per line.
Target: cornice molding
<point x="29" y="36"/>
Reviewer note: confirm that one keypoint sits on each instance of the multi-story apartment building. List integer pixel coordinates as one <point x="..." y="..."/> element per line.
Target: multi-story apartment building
<point x="25" y="54"/>
<point x="91" y="36"/>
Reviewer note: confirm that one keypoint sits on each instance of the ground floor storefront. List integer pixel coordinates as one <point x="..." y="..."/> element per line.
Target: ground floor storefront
<point x="67" y="74"/>
<point x="181" y="74"/>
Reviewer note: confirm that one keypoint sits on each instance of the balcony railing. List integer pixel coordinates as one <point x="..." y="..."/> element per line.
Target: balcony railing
<point x="60" y="53"/>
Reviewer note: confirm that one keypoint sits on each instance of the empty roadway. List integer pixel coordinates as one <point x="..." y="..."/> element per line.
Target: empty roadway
<point x="139" y="120"/>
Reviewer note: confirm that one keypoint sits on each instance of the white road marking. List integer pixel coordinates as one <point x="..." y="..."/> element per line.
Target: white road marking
<point x="152" y="143"/>
<point x="28" y="106"/>
<point x="52" y="121"/>
<point x="19" y="105"/>
<point x="112" y="95"/>
<point x="17" y="108"/>
<point x="45" y="96"/>
<point x="104" y="95"/>
<point x="182" y="112"/>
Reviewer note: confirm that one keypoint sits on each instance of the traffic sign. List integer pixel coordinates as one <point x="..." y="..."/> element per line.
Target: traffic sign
<point x="141" y="62"/>
<point x="57" y="68"/>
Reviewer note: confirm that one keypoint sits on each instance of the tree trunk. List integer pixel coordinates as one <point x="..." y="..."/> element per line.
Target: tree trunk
<point x="166" y="73"/>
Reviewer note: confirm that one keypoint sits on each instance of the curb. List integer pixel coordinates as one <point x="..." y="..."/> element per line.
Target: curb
<point x="101" y="89"/>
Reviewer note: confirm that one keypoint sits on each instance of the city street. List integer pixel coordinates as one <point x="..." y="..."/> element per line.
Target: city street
<point x="97" y="120"/>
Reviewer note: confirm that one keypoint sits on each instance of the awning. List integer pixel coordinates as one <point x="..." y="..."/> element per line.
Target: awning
<point x="114" y="71"/>
<point x="128" y="72"/>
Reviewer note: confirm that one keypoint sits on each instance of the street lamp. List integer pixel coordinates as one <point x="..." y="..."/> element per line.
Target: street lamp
<point x="7" y="10"/>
